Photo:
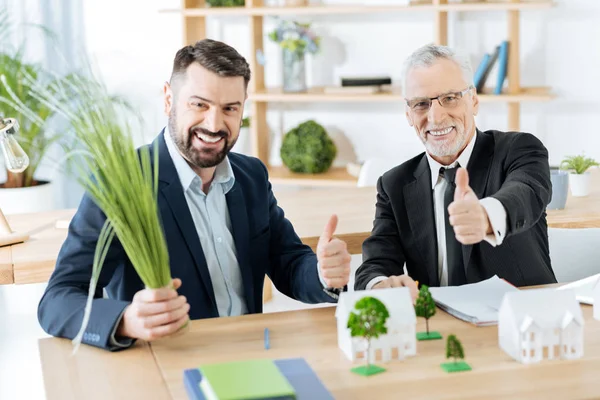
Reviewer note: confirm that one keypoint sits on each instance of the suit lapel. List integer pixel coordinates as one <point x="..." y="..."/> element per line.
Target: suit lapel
<point x="241" y="236"/>
<point x="171" y="189"/>
<point x="419" y="206"/>
<point x="478" y="169"/>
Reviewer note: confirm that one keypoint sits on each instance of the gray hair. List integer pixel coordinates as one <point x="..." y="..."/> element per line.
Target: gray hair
<point x="427" y="55"/>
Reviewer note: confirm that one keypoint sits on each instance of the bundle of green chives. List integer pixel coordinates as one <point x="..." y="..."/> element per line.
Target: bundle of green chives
<point x="119" y="178"/>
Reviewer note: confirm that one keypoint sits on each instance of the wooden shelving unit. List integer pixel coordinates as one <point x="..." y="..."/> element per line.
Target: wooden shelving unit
<point x="195" y="12"/>
<point x="354" y="9"/>
<point x="317" y="94"/>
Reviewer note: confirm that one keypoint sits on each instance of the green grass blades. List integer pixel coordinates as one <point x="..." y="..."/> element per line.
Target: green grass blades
<point x="119" y="178"/>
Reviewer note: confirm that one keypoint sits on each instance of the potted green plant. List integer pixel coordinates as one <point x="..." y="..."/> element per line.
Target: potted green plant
<point x="225" y="3"/>
<point x="579" y="176"/>
<point x="295" y="39"/>
<point x="308" y="149"/>
<point x="368" y="322"/>
<point x="24" y="191"/>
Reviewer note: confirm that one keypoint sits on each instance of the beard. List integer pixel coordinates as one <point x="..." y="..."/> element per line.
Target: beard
<point x="448" y="147"/>
<point x="204" y="158"/>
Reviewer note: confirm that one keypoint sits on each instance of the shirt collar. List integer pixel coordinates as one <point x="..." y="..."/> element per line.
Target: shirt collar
<point x="187" y="176"/>
<point x="463" y="160"/>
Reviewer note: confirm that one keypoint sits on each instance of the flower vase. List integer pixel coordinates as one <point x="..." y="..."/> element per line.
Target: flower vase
<point x="294" y="71"/>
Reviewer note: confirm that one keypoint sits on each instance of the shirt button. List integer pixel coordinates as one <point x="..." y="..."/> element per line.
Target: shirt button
<point x="219" y="239"/>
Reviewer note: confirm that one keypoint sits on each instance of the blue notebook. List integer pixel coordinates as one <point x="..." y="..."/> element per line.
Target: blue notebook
<point x="297" y="371"/>
<point x="481" y="70"/>
<point x="502" y="67"/>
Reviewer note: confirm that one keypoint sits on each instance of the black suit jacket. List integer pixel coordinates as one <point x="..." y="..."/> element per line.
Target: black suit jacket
<point x="265" y="242"/>
<point x="509" y="166"/>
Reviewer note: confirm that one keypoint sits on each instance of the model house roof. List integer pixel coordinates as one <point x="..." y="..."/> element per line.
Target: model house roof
<point x="397" y="300"/>
<point x="546" y="308"/>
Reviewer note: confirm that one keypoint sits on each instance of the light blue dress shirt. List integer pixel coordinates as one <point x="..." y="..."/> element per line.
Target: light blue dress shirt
<point x="211" y="219"/>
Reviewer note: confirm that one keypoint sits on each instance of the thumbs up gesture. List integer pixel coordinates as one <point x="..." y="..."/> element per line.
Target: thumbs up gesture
<point x="333" y="256"/>
<point x="467" y="216"/>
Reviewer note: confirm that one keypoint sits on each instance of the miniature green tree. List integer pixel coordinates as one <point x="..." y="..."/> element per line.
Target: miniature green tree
<point x="455" y="350"/>
<point x="368" y="323"/>
<point x="425" y="307"/>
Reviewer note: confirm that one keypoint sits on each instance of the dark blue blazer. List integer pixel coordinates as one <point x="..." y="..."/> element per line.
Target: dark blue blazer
<point x="265" y="242"/>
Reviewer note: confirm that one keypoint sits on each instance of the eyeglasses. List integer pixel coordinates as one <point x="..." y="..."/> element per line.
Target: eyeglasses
<point x="447" y="100"/>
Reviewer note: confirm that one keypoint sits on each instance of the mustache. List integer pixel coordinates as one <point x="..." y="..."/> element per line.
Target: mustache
<point x="221" y="133"/>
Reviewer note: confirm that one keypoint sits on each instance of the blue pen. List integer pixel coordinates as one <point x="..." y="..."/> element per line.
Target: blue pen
<point x="267" y="339"/>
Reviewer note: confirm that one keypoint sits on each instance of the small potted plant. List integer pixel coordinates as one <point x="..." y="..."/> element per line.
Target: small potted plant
<point x="579" y="176"/>
<point x="368" y="322"/>
<point x="295" y="39"/>
<point x="26" y="192"/>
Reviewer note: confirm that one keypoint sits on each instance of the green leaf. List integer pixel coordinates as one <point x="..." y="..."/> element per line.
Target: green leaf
<point x="578" y="164"/>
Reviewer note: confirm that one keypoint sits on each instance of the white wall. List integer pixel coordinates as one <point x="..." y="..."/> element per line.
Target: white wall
<point x="134" y="45"/>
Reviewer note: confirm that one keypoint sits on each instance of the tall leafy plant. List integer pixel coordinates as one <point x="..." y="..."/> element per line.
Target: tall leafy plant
<point x="17" y="102"/>
<point x="119" y="178"/>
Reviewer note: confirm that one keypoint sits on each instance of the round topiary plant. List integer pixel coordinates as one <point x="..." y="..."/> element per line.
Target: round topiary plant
<point x="308" y="149"/>
<point x="225" y="3"/>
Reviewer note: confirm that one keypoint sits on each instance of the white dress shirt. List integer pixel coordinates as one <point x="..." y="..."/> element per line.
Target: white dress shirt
<point x="494" y="209"/>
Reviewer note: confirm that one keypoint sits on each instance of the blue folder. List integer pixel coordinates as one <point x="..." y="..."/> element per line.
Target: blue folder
<point x="297" y="371"/>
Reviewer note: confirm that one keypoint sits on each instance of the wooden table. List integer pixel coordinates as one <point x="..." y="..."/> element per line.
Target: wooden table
<point x="311" y="334"/>
<point x="308" y="209"/>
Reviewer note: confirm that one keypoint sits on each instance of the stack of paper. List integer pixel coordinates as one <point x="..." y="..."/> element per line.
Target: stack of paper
<point x="477" y="303"/>
<point x="583" y="288"/>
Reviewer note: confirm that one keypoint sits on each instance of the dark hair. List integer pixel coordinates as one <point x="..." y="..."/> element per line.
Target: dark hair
<point x="215" y="56"/>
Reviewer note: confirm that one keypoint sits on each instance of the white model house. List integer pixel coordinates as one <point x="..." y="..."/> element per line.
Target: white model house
<point x="398" y="343"/>
<point x="541" y="323"/>
<point x="596" y="297"/>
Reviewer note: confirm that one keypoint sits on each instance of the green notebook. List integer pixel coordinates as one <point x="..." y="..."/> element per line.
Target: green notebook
<point x="245" y="380"/>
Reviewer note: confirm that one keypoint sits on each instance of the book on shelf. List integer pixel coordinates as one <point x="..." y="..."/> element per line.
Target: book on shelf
<point x="477" y="303"/>
<point x="255" y="379"/>
<point x="502" y="67"/>
<point x="484" y="69"/>
<point x="374" y="89"/>
<point x="498" y="61"/>
<point x="366" y="81"/>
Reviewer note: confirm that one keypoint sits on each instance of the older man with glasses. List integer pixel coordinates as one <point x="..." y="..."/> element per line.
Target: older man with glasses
<point x="472" y="205"/>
